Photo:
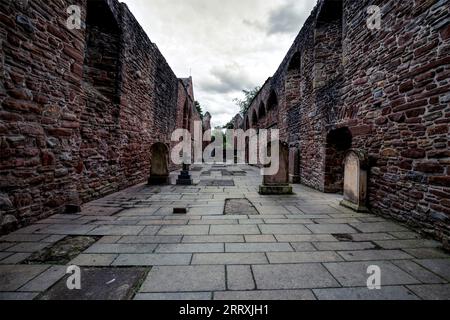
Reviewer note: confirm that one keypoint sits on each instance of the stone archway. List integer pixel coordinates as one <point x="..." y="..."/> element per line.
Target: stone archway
<point x="159" y="164"/>
<point x="292" y="83"/>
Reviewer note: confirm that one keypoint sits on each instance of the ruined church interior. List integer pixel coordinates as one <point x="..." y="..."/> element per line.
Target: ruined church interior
<point x="98" y="201"/>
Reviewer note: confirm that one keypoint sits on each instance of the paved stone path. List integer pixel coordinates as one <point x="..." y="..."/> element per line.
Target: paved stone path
<point x="303" y="246"/>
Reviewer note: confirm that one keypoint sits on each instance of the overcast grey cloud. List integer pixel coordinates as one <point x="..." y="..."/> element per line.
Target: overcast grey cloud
<point x="226" y="79"/>
<point x="227" y="46"/>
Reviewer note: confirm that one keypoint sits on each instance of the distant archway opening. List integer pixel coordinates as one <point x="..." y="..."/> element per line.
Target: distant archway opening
<point x="159" y="164"/>
<point x="338" y="142"/>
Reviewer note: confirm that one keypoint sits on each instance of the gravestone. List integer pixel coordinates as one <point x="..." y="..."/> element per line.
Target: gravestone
<point x="355" y="180"/>
<point x="159" y="172"/>
<point x="279" y="182"/>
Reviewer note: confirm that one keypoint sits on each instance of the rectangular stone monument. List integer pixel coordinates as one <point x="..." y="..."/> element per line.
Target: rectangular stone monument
<point x="355" y="181"/>
<point x="278" y="183"/>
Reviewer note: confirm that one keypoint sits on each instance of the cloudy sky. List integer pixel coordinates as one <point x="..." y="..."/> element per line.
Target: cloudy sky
<point x="226" y="45"/>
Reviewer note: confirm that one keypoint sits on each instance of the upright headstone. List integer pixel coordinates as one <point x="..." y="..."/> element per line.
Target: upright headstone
<point x="279" y="182"/>
<point x="355" y="180"/>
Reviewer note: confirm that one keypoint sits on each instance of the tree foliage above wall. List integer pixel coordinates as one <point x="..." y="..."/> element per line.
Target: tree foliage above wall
<point x="249" y="95"/>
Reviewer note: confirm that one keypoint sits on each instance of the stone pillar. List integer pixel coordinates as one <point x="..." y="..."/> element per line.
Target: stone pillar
<point x="278" y="183"/>
<point x="294" y="165"/>
<point x="185" y="179"/>
<point x="355" y="180"/>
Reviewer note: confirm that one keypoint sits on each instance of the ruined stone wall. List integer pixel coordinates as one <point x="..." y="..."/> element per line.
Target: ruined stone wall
<point x="79" y="109"/>
<point x="385" y="91"/>
<point x="396" y="103"/>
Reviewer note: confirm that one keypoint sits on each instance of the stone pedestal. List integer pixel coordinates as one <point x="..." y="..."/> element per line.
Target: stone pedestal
<point x="355" y="180"/>
<point x="279" y="183"/>
<point x="185" y="179"/>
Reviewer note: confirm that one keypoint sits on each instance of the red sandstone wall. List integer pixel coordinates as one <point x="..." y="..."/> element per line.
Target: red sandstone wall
<point x="80" y="109"/>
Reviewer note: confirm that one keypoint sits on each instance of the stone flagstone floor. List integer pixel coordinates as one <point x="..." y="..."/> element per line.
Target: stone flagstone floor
<point x="303" y="246"/>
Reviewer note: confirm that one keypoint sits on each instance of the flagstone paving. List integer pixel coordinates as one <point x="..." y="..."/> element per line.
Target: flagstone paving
<point x="299" y="247"/>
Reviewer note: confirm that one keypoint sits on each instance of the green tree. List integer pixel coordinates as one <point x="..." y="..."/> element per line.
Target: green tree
<point x="199" y="109"/>
<point x="249" y="95"/>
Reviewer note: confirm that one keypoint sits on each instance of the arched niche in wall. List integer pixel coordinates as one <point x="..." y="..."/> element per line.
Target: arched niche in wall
<point x="247" y="123"/>
<point x="254" y="119"/>
<point x="338" y="143"/>
<point x="272" y="102"/>
<point x="159" y="164"/>
<point x="99" y="148"/>
<point x="187" y="115"/>
<point x="102" y="58"/>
